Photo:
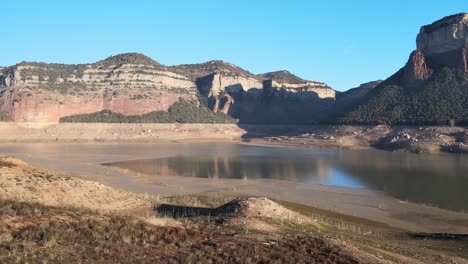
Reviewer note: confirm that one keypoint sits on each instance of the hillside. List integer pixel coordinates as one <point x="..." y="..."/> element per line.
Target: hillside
<point x="432" y="88"/>
<point x="282" y="76"/>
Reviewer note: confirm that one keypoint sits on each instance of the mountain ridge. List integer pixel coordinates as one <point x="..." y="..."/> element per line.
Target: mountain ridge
<point x="128" y="84"/>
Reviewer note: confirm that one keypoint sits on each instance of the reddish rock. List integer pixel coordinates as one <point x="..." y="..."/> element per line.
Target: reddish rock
<point x="215" y="104"/>
<point x="226" y="103"/>
<point x="50" y="106"/>
<point x="416" y="70"/>
<point x="222" y="104"/>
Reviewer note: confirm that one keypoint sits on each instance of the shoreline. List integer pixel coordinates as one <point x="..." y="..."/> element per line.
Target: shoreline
<point x="419" y="140"/>
<point x="363" y="203"/>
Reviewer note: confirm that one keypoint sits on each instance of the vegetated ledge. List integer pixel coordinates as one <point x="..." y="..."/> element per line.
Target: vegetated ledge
<point x="180" y="112"/>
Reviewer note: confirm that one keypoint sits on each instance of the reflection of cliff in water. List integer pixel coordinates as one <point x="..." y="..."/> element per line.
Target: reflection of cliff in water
<point x="238" y="167"/>
<point x="439" y="180"/>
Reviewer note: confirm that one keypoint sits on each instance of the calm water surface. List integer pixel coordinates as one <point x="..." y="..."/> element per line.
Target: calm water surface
<point x="440" y="180"/>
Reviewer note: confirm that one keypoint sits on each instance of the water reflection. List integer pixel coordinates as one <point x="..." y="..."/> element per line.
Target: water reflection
<point x="284" y="167"/>
<point x="438" y="180"/>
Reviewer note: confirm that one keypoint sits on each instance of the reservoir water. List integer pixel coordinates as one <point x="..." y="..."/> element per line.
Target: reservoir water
<point x="440" y="180"/>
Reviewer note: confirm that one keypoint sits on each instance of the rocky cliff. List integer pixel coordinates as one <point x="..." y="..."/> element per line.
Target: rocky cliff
<point x="443" y="43"/>
<point x="432" y="88"/>
<point x="445" y="35"/>
<point x="276" y="97"/>
<point x="129" y="84"/>
<point x="133" y="84"/>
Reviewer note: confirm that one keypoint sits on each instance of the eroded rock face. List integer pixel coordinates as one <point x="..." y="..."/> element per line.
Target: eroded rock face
<point x="443" y="43"/>
<point x="134" y="84"/>
<point x="215" y="84"/>
<point x="445" y="35"/>
<point x="416" y="70"/>
<point x="39" y="92"/>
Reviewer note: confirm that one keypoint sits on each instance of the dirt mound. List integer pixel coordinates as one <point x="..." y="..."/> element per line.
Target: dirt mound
<point x="20" y="181"/>
<point x="258" y="213"/>
<point x="262" y="207"/>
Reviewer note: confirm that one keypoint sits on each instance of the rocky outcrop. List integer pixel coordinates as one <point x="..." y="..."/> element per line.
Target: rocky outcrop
<point x="445" y="35"/>
<point x="291" y="83"/>
<point x="443" y="43"/>
<point x="416" y="70"/>
<point x="221" y="104"/>
<point x="216" y="84"/>
<point x="317" y="89"/>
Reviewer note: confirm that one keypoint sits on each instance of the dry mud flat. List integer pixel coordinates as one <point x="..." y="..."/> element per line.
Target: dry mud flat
<point x="49" y="217"/>
<point x="413" y="139"/>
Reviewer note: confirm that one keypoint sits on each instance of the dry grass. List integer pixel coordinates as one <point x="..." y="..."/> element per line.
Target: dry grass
<point x="37" y="233"/>
<point x="389" y="243"/>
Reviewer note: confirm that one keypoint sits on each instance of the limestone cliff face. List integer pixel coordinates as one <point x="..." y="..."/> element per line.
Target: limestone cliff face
<point x="443" y="43"/>
<point x="134" y="84"/>
<point x="216" y="83"/>
<point x="445" y="35"/>
<point x="128" y="84"/>
<point x="277" y="97"/>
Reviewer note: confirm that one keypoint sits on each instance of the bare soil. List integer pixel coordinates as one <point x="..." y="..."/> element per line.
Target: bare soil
<point x="408" y="138"/>
<point x="20" y="181"/>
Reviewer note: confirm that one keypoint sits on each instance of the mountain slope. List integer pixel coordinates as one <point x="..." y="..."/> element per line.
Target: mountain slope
<point x="432" y="88"/>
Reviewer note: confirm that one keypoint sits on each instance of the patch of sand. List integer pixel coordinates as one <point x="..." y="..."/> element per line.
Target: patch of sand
<point x="20" y="181"/>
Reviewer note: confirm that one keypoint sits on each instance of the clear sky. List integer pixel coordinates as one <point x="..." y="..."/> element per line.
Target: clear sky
<point x="340" y="42"/>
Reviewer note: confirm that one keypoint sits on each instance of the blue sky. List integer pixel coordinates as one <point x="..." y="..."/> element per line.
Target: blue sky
<point x="343" y="43"/>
